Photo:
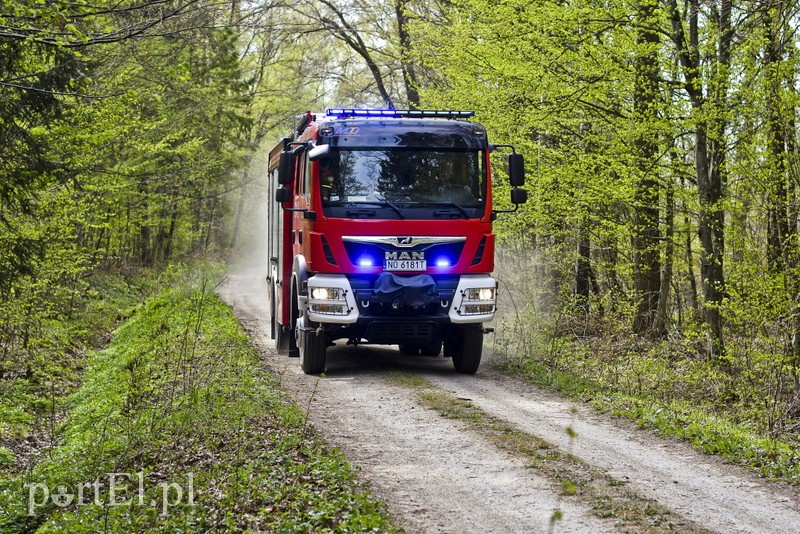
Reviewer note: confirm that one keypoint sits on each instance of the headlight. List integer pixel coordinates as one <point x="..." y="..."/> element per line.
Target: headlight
<point x="480" y="293"/>
<point x="325" y="293"/>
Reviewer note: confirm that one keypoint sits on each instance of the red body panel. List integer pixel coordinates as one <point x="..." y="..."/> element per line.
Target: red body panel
<point x="334" y="229"/>
<point x="303" y="235"/>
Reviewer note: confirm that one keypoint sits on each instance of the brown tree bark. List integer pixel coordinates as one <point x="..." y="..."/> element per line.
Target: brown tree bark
<point x="345" y="31"/>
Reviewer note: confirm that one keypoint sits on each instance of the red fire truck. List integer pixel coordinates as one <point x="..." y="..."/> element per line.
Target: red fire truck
<point x="380" y="231"/>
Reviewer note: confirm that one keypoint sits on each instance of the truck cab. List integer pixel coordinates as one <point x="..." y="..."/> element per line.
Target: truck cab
<point x="380" y="231"/>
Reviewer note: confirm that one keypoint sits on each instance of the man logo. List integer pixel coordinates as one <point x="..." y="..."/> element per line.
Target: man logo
<point x="394" y="255"/>
<point x="405" y="241"/>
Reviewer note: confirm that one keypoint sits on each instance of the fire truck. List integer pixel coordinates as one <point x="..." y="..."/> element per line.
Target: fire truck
<point x="380" y="231"/>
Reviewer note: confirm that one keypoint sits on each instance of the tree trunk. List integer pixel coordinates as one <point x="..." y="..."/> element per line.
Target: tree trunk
<point x="778" y="208"/>
<point x="583" y="271"/>
<point x="710" y="228"/>
<point x="345" y="31"/>
<point x="646" y="232"/>
<point x="690" y="277"/>
<point x="662" y="316"/>
<point x="409" y="73"/>
<point x="709" y="153"/>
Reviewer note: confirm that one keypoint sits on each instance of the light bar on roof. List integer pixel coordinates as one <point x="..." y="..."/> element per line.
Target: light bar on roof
<point x="362" y="112"/>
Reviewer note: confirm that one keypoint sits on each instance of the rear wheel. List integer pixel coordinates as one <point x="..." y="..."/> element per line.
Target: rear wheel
<point x="278" y="331"/>
<point x="431" y="349"/>
<point x="311" y="345"/>
<point x="467" y="353"/>
<point x="409" y="349"/>
<point x="291" y="330"/>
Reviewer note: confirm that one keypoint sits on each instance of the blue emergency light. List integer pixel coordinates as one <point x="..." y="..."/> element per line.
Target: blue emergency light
<point x="343" y="113"/>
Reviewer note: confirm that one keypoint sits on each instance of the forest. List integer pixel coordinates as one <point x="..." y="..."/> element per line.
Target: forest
<point x="654" y="269"/>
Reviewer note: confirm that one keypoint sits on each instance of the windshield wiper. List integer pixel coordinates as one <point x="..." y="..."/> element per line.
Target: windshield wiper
<point x="365" y="207"/>
<point x="450" y="203"/>
<point x="395" y="208"/>
<point x="387" y="204"/>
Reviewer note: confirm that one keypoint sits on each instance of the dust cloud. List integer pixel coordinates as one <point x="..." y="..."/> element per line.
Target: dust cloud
<point x="248" y="207"/>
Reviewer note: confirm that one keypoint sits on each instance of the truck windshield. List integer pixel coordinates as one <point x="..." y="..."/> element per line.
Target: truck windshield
<point x="403" y="182"/>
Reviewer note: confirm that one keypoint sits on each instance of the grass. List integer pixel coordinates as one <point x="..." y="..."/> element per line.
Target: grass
<point x="180" y="408"/>
<point x="37" y="378"/>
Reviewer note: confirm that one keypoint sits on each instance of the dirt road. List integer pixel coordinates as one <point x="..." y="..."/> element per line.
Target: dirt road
<point x="438" y="474"/>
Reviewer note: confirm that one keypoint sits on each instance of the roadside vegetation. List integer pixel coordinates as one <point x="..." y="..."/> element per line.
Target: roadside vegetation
<point x="655" y="270"/>
<point x="744" y="409"/>
<point x="179" y="409"/>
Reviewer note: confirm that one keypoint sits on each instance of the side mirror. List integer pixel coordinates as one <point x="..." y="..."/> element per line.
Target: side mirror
<point x="282" y="195"/>
<point x="286" y="168"/>
<point x="318" y="152"/>
<point x="516" y="170"/>
<point x="519" y="196"/>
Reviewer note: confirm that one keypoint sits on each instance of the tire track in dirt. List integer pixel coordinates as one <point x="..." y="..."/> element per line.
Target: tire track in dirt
<point x="699" y="487"/>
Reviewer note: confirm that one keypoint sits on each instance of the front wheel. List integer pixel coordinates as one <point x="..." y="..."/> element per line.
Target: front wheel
<point x="468" y="349"/>
<point x="311" y="345"/>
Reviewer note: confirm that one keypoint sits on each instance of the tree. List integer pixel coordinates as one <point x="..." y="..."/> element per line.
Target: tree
<point x="646" y="231"/>
<point x="379" y="35"/>
<point x="708" y="98"/>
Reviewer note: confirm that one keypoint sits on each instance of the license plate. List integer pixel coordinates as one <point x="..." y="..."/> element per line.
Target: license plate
<point x="405" y="265"/>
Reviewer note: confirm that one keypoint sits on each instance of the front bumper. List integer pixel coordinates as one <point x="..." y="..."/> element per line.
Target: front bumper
<point x="460" y="301"/>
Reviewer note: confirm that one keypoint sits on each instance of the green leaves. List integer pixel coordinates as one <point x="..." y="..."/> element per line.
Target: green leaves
<point x="111" y="157"/>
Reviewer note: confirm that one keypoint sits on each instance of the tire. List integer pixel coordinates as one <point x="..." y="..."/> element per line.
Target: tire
<point x="468" y="358"/>
<point x="409" y="349"/>
<point x="272" y="322"/>
<point x="433" y="348"/>
<point x="311" y="347"/>
<point x="279" y="333"/>
<point x="291" y="329"/>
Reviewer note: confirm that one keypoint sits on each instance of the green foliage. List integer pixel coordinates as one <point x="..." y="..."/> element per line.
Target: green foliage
<point x="666" y="387"/>
<point x="180" y="397"/>
<point x="654" y="154"/>
<point x="7" y="458"/>
<point x="111" y="157"/>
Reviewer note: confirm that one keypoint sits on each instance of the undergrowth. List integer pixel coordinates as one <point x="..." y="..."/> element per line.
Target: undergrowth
<point x="733" y="410"/>
<point x="177" y="427"/>
<point x="38" y="374"/>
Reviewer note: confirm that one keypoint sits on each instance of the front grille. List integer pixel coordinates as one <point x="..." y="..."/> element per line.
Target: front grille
<point x="376" y="252"/>
<point x="393" y="332"/>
